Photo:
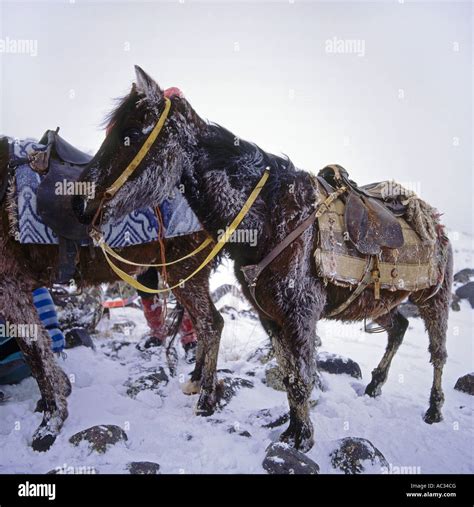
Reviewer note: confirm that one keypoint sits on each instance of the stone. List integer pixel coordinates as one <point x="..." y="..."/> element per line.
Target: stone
<point x="124" y="327"/>
<point x="228" y="387"/>
<point x="466" y="292"/>
<point x="240" y="432"/>
<point x="455" y="303"/>
<point x="333" y="363"/>
<point x="354" y="455"/>
<point x="464" y="276"/>
<point x="78" y="310"/>
<point x="283" y="459"/>
<point x="465" y="384"/>
<point x="78" y="336"/>
<point x="100" y="437"/>
<point x="151" y="382"/>
<point x="143" y="468"/>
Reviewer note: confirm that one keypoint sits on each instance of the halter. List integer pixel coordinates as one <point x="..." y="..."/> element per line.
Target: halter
<point x="137" y="159"/>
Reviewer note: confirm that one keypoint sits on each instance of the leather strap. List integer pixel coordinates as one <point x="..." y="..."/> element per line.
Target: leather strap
<point x="252" y="272"/>
<point x="366" y="279"/>
<point x="212" y="254"/>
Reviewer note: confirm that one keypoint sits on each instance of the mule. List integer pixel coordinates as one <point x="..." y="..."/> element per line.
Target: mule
<point x="217" y="172"/>
<point x="24" y="267"/>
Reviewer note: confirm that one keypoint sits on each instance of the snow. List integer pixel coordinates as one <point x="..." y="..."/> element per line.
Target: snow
<point x="163" y="428"/>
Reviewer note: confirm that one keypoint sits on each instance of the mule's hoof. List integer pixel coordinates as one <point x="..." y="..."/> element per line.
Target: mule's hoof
<point x="301" y="439"/>
<point x="40" y="406"/>
<point x="373" y="390"/>
<point x="42" y="444"/>
<point x="433" y="416"/>
<point x="206" y="404"/>
<point x="190" y="388"/>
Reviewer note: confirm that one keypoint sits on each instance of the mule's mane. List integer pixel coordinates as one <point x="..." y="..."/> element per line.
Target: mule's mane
<point x="225" y="149"/>
<point x="120" y="112"/>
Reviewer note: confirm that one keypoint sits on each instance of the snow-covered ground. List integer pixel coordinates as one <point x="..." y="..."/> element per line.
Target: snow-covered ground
<point x="162" y="428"/>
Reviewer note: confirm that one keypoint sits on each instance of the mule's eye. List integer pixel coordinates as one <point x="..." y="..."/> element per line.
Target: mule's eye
<point x="131" y="135"/>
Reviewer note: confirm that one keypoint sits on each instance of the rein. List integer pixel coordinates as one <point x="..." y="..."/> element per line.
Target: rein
<point x="108" y="252"/>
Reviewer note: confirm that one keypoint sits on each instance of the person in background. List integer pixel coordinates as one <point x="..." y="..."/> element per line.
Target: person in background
<point x="153" y="310"/>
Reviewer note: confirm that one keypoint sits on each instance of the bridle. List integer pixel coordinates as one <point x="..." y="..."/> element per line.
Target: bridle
<point x="132" y="166"/>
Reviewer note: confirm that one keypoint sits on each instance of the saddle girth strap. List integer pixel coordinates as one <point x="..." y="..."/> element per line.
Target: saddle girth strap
<point x="253" y="271"/>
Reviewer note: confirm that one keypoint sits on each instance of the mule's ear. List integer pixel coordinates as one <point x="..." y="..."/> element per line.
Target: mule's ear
<point x="148" y="86"/>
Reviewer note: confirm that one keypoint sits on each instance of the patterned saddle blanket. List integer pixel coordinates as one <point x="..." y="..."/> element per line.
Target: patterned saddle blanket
<point x="139" y="227"/>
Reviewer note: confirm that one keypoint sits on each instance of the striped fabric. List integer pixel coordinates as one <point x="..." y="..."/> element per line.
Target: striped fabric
<point x="13" y="367"/>
<point x="47" y="313"/>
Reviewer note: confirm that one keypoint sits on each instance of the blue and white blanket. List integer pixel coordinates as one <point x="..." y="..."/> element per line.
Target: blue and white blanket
<point x="140" y="226"/>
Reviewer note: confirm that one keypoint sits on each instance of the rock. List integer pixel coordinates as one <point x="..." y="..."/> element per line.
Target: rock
<point x="464" y="276"/>
<point x="283" y="459"/>
<point x="100" y="437"/>
<point x="228" y="388"/>
<point x="151" y="382"/>
<point x="352" y="455"/>
<point x="279" y="421"/>
<point x="455" y="300"/>
<point x="408" y="309"/>
<point x="83" y="309"/>
<point x="143" y="468"/>
<point x="124" y="327"/>
<point x="466" y="292"/>
<point x="242" y="433"/>
<point x="465" y="384"/>
<point x="78" y="336"/>
<point x="332" y="363"/>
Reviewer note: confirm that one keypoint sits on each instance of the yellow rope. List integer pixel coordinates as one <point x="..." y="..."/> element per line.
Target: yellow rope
<point x="114" y="254"/>
<point x="212" y="254"/>
<point x="119" y="182"/>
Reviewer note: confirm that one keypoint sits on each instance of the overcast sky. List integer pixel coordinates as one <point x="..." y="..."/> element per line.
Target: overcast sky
<point x="382" y="88"/>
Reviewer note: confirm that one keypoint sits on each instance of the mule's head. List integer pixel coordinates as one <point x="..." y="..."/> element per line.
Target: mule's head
<point x="128" y="127"/>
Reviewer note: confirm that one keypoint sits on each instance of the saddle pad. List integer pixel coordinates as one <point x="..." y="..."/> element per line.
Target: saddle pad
<point x="410" y="267"/>
<point x="139" y="227"/>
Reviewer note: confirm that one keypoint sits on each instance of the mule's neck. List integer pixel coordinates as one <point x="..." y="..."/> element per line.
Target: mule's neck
<point x="223" y="174"/>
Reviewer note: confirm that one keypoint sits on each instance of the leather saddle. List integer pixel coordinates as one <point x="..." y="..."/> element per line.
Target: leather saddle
<point x="370" y="217"/>
<point x="62" y="165"/>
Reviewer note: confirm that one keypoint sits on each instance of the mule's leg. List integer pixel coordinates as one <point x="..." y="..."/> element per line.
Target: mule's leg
<point x="396" y="325"/>
<point x="208" y="323"/>
<point x="434" y="313"/>
<point x="16" y="305"/>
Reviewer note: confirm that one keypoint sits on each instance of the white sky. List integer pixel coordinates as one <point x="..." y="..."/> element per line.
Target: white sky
<point x="280" y="89"/>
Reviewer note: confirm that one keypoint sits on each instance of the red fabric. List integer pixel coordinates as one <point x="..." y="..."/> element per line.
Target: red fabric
<point x="171" y="92"/>
<point x="188" y="334"/>
<point x="153" y="311"/>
